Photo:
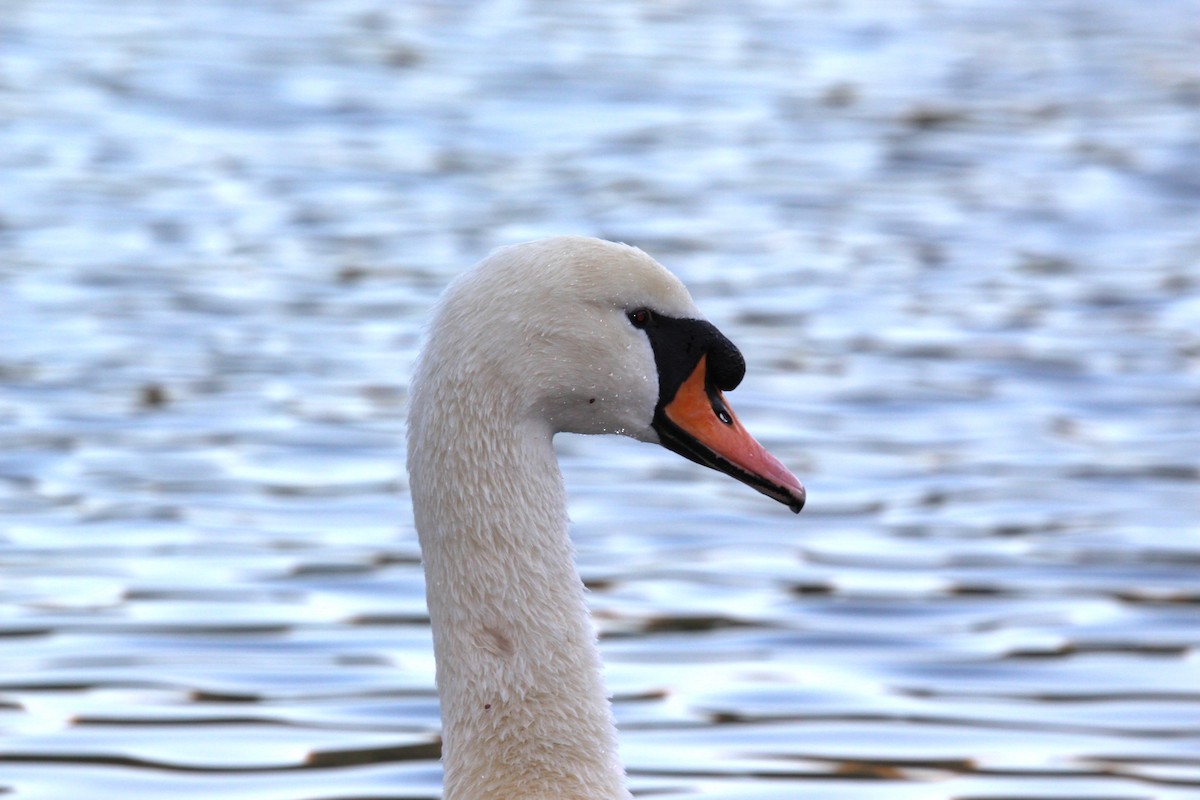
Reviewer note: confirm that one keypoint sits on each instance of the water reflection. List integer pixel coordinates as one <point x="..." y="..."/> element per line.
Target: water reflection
<point x="958" y="246"/>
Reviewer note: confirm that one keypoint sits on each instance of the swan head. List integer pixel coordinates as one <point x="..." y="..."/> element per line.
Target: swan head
<point x="581" y="335"/>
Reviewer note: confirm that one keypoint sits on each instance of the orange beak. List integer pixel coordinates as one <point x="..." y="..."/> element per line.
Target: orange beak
<point x="703" y="428"/>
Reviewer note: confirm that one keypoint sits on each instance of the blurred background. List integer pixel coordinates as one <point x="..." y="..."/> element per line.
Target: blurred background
<point x="958" y="243"/>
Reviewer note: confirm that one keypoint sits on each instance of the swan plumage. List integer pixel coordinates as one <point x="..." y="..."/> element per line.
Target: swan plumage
<point x="561" y="334"/>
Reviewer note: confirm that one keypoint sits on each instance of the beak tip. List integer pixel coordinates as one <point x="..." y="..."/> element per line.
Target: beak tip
<point x="798" y="496"/>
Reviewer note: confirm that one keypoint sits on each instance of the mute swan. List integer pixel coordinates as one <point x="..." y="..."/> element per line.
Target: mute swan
<point x="561" y="334"/>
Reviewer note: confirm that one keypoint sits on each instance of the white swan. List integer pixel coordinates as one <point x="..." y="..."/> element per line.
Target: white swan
<point x="563" y="334"/>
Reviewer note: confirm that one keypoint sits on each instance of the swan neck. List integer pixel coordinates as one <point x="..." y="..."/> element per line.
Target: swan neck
<point x="524" y="710"/>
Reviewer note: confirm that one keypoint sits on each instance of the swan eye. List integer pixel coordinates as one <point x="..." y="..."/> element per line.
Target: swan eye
<point x="640" y="317"/>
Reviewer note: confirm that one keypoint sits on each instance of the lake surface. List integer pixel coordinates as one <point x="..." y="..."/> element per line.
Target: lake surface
<point x="958" y="243"/>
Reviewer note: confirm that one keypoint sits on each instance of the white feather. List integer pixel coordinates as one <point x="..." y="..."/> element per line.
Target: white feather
<point x="532" y="341"/>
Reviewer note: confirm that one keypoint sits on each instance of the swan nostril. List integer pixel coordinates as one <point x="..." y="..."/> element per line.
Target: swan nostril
<point x="717" y="401"/>
<point x="718" y="407"/>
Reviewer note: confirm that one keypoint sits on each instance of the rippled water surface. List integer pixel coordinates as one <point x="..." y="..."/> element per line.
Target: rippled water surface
<point x="959" y="244"/>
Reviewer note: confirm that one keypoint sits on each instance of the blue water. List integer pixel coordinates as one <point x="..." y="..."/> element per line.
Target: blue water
<point x="958" y="244"/>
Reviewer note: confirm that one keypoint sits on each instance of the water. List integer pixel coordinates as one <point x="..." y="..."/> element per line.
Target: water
<point x="958" y="244"/>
